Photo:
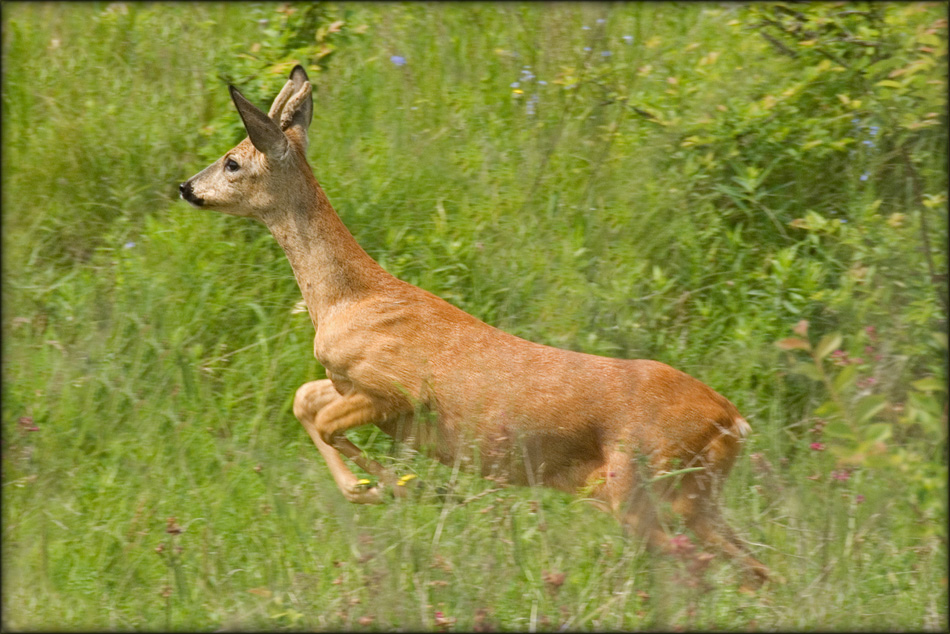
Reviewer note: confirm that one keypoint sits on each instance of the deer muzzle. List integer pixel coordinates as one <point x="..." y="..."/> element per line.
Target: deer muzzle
<point x="188" y="194"/>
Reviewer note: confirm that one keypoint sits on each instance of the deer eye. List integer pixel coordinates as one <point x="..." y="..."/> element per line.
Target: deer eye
<point x="231" y="165"/>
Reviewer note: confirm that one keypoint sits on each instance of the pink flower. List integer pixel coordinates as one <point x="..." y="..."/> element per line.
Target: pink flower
<point x="841" y="475"/>
<point x="817" y="446"/>
<point x="859" y="499"/>
<point x="681" y="545"/>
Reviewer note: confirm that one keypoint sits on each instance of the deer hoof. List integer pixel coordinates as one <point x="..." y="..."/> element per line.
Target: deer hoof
<point x="362" y="492"/>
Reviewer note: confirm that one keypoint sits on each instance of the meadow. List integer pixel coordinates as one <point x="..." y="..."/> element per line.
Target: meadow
<point x="755" y="194"/>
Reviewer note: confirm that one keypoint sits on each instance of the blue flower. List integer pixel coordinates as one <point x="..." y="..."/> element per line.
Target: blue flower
<point x="605" y="54"/>
<point x="541" y="82"/>
<point x="873" y="130"/>
<point x="586" y="28"/>
<point x="587" y="49"/>
<point x="865" y="176"/>
<point x="600" y="20"/>
<point x="515" y="84"/>
<point x="868" y="143"/>
<point x="398" y="60"/>
<point x="628" y="39"/>
<point x="128" y="245"/>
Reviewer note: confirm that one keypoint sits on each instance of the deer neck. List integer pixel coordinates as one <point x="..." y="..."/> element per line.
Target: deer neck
<point x="331" y="268"/>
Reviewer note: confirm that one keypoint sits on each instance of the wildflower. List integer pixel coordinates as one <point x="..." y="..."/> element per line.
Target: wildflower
<point x="871" y="332"/>
<point x="541" y="82"/>
<point x="515" y="84"/>
<point x="628" y="39"/>
<point x="398" y="60"/>
<point x="517" y="92"/>
<point x="172" y="527"/>
<point x="605" y="53"/>
<point x="865" y="176"/>
<point x="866" y="383"/>
<point x="26" y="422"/>
<point x="586" y="28"/>
<point x="859" y="498"/>
<point x="443" y="622"/>
<point x="817" y="446"/>
<point x="681" y="544"/>
<point x="601" y="20"/>
<point x="841" y="475"/>
<point x="587" y="49"/>
<point x="553" y="580"/>
<point x="872" y="130"/>
<point x="868" y="143"/>
<point x="839" y="357"/>
<point x="128" y="245"/>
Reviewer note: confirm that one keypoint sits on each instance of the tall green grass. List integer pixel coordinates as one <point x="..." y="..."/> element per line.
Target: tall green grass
<point x="153" y="474"/>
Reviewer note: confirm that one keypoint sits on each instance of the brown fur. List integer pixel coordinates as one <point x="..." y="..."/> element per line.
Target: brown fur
<point x="525" y="413"/>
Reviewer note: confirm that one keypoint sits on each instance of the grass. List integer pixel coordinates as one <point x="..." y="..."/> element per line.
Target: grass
<point x="153" y="474"/>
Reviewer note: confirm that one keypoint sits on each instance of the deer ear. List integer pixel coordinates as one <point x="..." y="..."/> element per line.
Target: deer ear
<point x="265" y="135"/>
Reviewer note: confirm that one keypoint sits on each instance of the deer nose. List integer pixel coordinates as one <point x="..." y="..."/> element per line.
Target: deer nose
<point x="188" y="193"/>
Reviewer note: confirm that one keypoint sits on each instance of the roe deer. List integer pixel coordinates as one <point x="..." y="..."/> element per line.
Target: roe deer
<point x="522" y="412"/>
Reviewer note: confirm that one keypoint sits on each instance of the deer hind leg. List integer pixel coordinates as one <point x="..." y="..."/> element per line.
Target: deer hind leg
<point x="629" y="493"/>
<point x="317" y="405"/>
<point x="626" y="492"/>
<point x="696" y="500"/>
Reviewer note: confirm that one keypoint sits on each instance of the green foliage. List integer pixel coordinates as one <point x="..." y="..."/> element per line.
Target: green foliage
<point x="872" y="423"/>
<point x="640" y="180"/>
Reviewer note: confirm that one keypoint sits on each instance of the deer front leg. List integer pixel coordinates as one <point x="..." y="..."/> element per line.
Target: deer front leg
<point x="326" y="414"/>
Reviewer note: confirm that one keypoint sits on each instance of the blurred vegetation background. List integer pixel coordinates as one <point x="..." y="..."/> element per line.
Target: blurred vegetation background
<point x="753" y="193"/>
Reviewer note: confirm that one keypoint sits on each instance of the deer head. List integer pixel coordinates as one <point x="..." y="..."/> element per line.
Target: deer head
<point x="267" y="170"/>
